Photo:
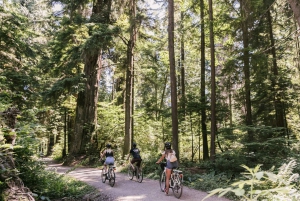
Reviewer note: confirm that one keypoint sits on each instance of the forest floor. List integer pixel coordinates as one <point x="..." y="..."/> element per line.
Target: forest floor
<point x="125" y="189"/>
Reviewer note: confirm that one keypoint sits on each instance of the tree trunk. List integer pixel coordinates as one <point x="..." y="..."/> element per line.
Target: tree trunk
<point x="129" y="80"/>
<point x="202" y="90"/>
<point x="213" y="85"/>
<point x="279" y="108"/>
<point x="246" y="61"/>
<point x="75" y="140"/>
<point x="295" y="5"/>
<point x="91" y="70"/>
<point x="173" y="77"/>
<point x="182" y="72"/>
<point x="86" y="109"/>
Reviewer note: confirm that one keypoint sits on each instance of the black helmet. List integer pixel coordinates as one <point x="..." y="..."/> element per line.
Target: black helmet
<point x="167" y="145"/>
<point x="108" y="146"/>
<point x="134" y="145"/>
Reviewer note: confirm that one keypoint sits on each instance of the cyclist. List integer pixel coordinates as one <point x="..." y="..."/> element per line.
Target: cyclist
<point x="136" y="157"/>
<point x="109" y="154"/>
<point x="170" y="165"/>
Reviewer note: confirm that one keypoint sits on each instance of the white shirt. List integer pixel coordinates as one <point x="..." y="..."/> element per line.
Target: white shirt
<point x="168" y="157"/>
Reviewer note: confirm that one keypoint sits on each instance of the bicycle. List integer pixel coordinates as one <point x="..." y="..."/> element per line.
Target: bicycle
<point x="133" y="170"/>
<point x="176" y="181"/>
<point x="110" y="175"/>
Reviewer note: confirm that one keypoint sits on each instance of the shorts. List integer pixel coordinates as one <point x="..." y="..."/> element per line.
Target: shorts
<point x="171" y="165"/>
<point x="137" y="160"/>
<point x="109" y="160"/>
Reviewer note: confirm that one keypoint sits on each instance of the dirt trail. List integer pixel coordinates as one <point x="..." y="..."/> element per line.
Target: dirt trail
<point x="129" y="190"/>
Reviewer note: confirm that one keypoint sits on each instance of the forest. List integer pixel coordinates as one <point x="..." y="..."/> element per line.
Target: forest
<point x="217" y="79"/>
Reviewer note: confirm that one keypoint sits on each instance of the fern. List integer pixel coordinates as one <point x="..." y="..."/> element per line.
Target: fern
<point x="264" y="185"/>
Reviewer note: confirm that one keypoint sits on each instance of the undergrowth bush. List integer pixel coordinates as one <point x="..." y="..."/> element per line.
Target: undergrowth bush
<point x="47" y="184"/>
<point x="265" y="185"/>
<point x="57" y="152"/>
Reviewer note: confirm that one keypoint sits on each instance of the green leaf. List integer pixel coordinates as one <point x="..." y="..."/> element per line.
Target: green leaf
<point x="247" y="168"/>
<point x="257" y="168"/>
<point x="225" y="191"/>
<point x="272" y="176"/>
<point x="239" y="192"/>
<point x="259" y="175"/>
<point x="213" y="192"/>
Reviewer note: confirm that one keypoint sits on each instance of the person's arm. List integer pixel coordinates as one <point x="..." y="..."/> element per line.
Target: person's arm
<point x="129" y="154"/>
<point x="160" y="159"/>
<point x="102" y="154"/>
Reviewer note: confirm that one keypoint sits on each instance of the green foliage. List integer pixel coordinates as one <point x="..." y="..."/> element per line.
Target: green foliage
<point x="2" y="187"/>
<point x="229" y="162"/>
<point x="206" y="182"/>
<point x="57" y="152"/>
<point x="47" y="183"/>
<point x="54" y="186"/>
<point x="264" y="185"/>
<point x="111" y="127"/>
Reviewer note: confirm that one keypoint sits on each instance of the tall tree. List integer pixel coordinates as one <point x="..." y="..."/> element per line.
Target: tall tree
<point x="279" y="107"/>
<point x="244" y="8"/>
<point x="173" y="76"/>
<point x="130" y="79"/>
<point x="86" y="111"/>
<point x="213" y="84"/>
<point x="202" y="89"/>
<point x="181" y="64"/>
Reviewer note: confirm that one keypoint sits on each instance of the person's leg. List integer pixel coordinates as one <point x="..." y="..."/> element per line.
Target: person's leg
<point x="105" y="168"/>
<point x="132" y="162"/>
<point x="168" y="175"/>
<point x="138" y="162"/>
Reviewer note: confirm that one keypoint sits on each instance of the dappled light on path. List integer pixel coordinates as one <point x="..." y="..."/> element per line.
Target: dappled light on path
<point x="128" y="190"/>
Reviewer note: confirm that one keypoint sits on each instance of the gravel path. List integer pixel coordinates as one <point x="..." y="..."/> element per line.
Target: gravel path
<point x="129" y="190"/>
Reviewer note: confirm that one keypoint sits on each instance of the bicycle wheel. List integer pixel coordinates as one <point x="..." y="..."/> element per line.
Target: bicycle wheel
<point x="103" y="176"/>
<point x="130" y="172"/>
<point x="162" y="181"/>
<point x="139" y="175"/>
<point x="177" y="189"/>
<point x="112" y="178"/>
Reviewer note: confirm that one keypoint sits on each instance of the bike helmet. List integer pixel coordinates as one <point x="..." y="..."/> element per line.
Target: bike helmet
<point x="108" y="146"/>
<point x="167" y="145"/>
<point x="134" y="145"/>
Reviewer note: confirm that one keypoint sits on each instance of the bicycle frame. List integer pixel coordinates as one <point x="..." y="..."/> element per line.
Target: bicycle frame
<point x="176" y="178"/>
<point x="175" y="182"/>
<point x="110" y="175"/>
<point x="133" y="170"/>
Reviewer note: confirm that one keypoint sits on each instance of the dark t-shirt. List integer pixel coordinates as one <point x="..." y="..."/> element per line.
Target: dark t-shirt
<point x="109" y="153"/>
<point x="135" y="153"/>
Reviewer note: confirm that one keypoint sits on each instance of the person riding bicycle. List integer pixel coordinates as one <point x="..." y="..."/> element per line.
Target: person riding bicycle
<point x="109" y="154"/>
<point x="136" y="157"/>
<point x="170" y="165"/>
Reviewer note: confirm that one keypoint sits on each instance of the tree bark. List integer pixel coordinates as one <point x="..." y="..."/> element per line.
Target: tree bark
<point x="279" y="108"/>
<point x="130" y="80"/>
<point x="182" y="68"/>
<point x="173" y="77"/>
<point x="86" y="109"/>
<point x="295" y="5"/>
<point x="213" y="85"/>
<point x="246" y="61"/>
<point x="202" y="90"/>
